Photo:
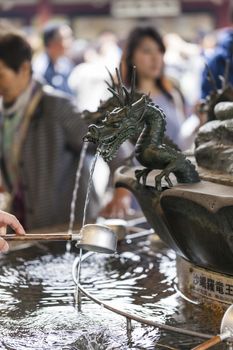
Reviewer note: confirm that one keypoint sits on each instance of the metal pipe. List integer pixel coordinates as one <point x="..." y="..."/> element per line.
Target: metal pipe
<point x="128" y="325"/>
<point x="136" y="221"/>
<point x="132" y="316"/>
<point x="139" y="234"/>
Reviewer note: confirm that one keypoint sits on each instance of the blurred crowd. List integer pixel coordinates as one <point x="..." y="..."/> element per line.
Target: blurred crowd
<point x="166" y="64"/>
<point x="47" y="79"/>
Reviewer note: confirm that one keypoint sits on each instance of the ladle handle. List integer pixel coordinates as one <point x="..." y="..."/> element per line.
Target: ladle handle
<point x="39" y="237"/>
<point x="209" y="343"/>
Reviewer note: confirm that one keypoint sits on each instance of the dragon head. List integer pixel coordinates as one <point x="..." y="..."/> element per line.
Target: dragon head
<point x="120" y="124"/>
<point x="117" y="127"/>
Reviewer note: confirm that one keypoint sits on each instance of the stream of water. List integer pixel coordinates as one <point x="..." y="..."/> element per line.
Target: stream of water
<point x="87" y="199"/>
<point x="89" y="186"/>
<point x="76" y="186"/>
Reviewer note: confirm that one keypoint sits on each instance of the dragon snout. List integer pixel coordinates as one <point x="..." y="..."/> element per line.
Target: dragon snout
<point x="93" y="129"/>
<point x="92" y="134"/>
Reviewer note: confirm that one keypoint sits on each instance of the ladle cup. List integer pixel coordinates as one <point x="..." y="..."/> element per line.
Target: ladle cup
<point x="226" y="331"/>
<point x="97" y="238"/>
<point x="94" y="237"/>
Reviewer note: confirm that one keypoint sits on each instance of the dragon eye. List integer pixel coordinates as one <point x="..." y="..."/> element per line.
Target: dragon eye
<point x="116" y="125"/>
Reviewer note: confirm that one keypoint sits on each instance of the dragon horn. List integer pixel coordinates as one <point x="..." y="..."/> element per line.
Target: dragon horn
<point x="148" y="95"/>
<point x="127" y="96"/>
<point x="120" y="68"/>
<point x="112" y="79"/>
<point x="109" y="85"/>
<point x="120" y="86"/>
<point x="133" y="80"/>
<point x="116" y="95"/>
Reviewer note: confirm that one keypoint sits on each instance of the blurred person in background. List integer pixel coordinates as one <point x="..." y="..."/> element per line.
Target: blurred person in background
<point x="184" y="63"/>
<point x="217" y="61"/>
<point x="87" y="80"/>
<point x="41" y="141"/>
<point x="145" y="50"/>
<point x="208" y="42"/>
<point x="54" y="65"/>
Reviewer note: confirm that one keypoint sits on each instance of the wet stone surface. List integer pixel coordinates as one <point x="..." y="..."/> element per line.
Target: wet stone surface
<point x="37" y="308"/>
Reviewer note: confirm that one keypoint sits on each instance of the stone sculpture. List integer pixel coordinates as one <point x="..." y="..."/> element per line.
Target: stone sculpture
<point x="214" y="142"/>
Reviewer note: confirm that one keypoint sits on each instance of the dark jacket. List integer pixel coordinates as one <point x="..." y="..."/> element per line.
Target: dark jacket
<point x="217" y="63"/>
<point x="49" y="160"/>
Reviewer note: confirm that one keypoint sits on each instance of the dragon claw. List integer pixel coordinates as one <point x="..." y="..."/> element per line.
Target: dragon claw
<point x="168" y="181"/>
<point x="138" y="175"/>
<point x="158" y="185"/>
<point x="142" y="174"/>
<point x="158" y="180"/>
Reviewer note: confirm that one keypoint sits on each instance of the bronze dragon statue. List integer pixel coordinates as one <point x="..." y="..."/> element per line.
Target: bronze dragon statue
<point x="124" y="122"/>
<point x="112" y="103"/>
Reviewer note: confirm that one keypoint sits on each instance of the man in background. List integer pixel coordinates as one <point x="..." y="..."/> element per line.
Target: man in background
<point x="54" y="65"/>
<point x="41" y="140"/>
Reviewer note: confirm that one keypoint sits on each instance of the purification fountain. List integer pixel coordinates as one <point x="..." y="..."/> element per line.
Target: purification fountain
<point x="191" y="209"/>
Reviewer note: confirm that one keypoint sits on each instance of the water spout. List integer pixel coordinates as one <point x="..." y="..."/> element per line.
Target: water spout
<point x="78" y="293"/>
<point x="76" y="187"/>
<point x="89" y="187"/>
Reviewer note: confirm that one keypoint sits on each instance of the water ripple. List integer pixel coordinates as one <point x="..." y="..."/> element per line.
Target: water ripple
<point x="37" y="308"/>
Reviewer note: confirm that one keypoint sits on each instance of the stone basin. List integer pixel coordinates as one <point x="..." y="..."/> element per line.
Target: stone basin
<point x="196" y="220"/>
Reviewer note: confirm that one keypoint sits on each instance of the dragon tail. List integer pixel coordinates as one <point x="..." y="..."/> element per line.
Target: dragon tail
<point x="188" y="173"/>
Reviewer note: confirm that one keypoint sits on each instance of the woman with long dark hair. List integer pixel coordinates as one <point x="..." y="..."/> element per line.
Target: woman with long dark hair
<point x="145" y="50"/>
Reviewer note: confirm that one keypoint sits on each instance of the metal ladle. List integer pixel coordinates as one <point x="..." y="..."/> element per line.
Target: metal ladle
<point x="94" y="237"/>
<point x="226" y="331"/>
<point x="97" y="238"/>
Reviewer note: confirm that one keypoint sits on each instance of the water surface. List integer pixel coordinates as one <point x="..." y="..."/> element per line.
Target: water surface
<point x="37" y="308"/>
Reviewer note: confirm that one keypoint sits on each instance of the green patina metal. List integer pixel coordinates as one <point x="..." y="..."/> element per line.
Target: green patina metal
<point x="125" y="121"/>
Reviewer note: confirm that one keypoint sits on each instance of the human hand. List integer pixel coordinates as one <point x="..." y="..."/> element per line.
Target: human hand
<point x="119" y="206"/>
<point x="7" y="219"/>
